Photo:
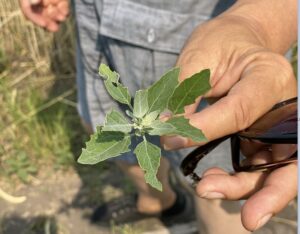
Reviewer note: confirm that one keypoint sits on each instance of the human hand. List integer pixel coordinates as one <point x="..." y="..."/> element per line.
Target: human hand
<point x="45" y="13"/>
<point x="267" y="193"/>
<point x="249" y="76"/>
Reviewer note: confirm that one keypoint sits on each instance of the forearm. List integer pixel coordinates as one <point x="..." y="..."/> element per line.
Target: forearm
<point x="274" y="20"/>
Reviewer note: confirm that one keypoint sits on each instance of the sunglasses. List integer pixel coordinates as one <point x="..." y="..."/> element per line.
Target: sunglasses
<point x="278" y="126"/>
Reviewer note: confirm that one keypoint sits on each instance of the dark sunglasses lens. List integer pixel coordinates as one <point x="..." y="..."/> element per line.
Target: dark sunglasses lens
<point x="287" y="127"/>
<point x="278" y="124"/>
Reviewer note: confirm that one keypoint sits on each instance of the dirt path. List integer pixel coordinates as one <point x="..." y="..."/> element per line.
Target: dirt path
<point x="62" y="203"/>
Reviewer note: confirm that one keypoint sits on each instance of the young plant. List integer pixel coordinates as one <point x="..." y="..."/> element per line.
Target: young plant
<point x="114" y="137"/>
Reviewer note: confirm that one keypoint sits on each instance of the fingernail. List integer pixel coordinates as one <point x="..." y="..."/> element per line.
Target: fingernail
<point x="212" y="195"/>
<point x="175" y="142"/>
<point x="33" y="2"/>
<point x="263" y="221"/>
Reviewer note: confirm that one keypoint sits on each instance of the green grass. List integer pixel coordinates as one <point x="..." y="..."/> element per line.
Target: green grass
<point x="37" y="131"/>
<point x="39" y="124"/>
<point x="125" y="229"/>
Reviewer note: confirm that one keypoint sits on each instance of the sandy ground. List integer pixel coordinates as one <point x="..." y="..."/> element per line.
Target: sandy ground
<point x="61" y="203"/>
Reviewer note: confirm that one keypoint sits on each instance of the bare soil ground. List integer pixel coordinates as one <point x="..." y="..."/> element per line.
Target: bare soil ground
<point x="61" y="203"/>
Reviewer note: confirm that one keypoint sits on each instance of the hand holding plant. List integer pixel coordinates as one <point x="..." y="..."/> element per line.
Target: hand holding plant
<point x="244" y="48"/>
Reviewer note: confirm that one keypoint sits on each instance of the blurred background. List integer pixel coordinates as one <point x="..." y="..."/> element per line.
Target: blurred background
<point x="42" y="189"/>
<point x="38" y="116"/>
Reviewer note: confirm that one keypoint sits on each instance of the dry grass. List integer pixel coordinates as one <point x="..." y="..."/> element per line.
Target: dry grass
<point x="37" y="87"/>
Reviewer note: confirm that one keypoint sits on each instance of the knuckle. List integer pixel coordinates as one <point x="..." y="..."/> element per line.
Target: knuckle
<point x="285" y="67"/>
<point x="280" y="67"/>
<point x="187" y="56"/>
<point x="286" y="81"/>
<point x="240" y="111"/>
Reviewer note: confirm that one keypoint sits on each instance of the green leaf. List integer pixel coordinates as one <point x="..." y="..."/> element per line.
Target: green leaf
<point x="183" y="128"/>
<point x="140" y="107"/>
<point x="117" y="122"/>
<point x="118" y="92"/>
<point x="161" y="128"/>
<point x="149" y="118"/>
<point x="160" y="92"/>
<point x="188" y="90"/>
<point x="148" y="156"/>
<point x="108" y="74"/>
<point x="104" y="145"/>
<point x="114" y="88"/>
<point x="23" y="175"/>
<point x="32" y="169"/>
<point x="129" y="114"/>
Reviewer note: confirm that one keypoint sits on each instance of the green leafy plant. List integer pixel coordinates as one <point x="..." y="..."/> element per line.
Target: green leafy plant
<point x="21" y="166"/>
<point x="114" y="137"/>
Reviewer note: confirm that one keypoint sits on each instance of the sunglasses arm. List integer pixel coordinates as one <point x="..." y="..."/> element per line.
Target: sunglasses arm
<point x="190" y="162"/>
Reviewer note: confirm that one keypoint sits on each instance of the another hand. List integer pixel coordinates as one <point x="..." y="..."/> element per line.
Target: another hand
<point x="248" y="76"/>
<point x="267" y="193"/>
<point x="45" y="13"/>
